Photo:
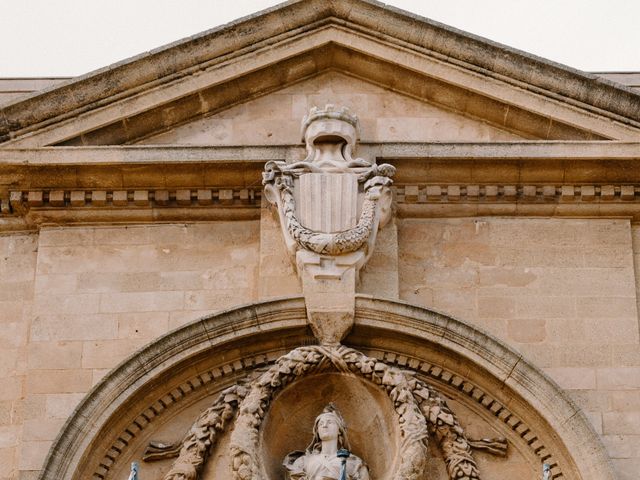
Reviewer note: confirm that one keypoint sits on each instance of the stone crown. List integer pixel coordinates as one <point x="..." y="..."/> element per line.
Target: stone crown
<point x="330" y="111"/>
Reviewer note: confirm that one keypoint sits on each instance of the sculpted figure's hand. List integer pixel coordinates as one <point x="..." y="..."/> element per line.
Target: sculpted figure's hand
<point x="327" y="457"/>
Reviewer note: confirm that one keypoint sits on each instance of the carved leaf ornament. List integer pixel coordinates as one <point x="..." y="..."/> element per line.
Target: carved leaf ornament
<point x="279" y="176"/>
<point x="420" y="411"/>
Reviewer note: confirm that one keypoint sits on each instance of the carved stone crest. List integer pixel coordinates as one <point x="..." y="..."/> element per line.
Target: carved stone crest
<point x="330" y="207"/>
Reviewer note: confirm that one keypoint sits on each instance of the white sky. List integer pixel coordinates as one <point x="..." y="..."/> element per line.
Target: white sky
<point x="72" y="37"/>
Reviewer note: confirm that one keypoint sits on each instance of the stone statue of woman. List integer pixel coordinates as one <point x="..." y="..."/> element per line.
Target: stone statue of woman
<point x="327" y="457"/>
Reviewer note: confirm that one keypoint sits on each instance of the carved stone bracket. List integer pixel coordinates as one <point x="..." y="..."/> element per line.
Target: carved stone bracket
<point x="330" y="207"/>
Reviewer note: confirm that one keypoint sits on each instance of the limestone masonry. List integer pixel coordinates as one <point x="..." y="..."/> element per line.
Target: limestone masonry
<point x="330" y="240"/>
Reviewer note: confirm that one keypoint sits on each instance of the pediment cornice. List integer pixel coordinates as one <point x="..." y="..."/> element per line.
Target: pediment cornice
<point x="262" y="53"/>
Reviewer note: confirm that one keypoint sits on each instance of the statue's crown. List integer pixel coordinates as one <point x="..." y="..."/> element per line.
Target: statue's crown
<point x="330" y="111"/>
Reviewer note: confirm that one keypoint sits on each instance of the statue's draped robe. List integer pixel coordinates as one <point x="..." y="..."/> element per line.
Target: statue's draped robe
<point x="316" y="466"/>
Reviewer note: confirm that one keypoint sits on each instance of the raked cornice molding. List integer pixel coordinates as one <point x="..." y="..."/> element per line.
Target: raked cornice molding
<point x="216" y="69"/>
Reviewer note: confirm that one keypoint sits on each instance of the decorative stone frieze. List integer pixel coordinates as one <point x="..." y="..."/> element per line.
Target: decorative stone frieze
<point x="26" y="209"/>
<point x="20" y="201"/>
<point x="407" y="194"/>
<point x="65" y="185"/>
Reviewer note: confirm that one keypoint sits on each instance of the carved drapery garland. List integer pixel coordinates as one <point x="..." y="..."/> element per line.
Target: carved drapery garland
<point x="194" y="449"/>
<point x="420" y="408"/>
<point x="278" y="179"/>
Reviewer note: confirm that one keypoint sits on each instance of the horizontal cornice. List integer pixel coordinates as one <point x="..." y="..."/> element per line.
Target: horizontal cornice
<point x="144" y="184"/>
<point x="175" y="154"/>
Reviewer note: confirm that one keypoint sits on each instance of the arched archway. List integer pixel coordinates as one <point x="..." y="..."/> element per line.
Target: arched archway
<point x="189" y="365"/>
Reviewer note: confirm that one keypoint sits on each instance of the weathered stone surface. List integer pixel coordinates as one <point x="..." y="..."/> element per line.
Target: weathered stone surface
<point x="535" y="242"/>
<point x="563" y="291"/>
<point x="87" y="298"/>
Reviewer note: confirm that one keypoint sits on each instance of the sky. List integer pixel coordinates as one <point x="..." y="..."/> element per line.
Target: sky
<point x="71" y="37"/>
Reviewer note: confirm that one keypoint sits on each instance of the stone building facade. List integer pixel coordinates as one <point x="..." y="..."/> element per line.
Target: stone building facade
<point x="144" y="269"/>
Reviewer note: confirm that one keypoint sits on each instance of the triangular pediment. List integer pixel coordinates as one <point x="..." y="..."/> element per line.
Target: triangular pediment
<point x="384" y="115"/>
<point x="200" y="77"/>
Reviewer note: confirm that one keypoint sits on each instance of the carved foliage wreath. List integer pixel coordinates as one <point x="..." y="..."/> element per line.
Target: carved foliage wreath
<point x="278" y="178"/>
<point x="420" y="411"/>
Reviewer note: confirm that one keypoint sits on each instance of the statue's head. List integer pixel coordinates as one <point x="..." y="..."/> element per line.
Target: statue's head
<point x="329" y="425"/>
